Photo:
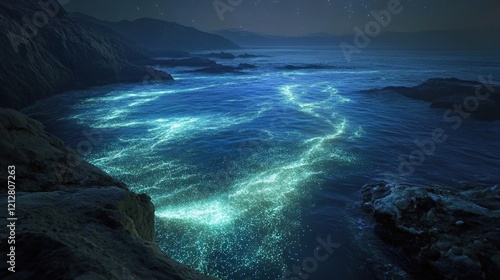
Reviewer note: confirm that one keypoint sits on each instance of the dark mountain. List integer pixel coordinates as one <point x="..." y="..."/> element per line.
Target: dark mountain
<point x="154" y="35"/>
<point x="42" y="58"/>
<point x="245" y="38"/>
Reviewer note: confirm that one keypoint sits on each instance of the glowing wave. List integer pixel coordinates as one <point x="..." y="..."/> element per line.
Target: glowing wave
<point x="251" y="221"/>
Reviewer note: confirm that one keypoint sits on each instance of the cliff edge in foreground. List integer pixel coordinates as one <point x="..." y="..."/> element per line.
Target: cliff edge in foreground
<point x="73" y="220"/>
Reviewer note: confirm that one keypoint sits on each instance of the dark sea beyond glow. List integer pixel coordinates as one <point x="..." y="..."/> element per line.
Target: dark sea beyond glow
<point x="247" y="171"/>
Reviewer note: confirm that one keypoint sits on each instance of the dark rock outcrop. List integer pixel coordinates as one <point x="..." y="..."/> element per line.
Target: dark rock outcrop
<point x="42" y="161"/>
<point x="305" y="67"/>
<point x="75" y="221"/>
<point x="57" y="54"/>
<point x="187" y="62"/>
<point x="220" y="55"/>
<point x="442" y="233"/>
<point x="246" y="66"/>
<point x="451" y="92"/>
<point x="170" y="54"/>
<point x="225" y="69"/>
<point x="247" y="55"/>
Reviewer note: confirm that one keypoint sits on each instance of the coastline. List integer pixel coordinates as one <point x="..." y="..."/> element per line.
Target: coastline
<point x="75" y="221"/>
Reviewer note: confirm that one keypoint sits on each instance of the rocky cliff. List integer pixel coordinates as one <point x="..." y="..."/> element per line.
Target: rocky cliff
<point x="45" y="52"/>
<point x="74" y="221"/>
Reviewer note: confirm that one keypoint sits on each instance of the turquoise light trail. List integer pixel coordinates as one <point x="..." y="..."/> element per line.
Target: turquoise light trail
<point x="240" y="215"/>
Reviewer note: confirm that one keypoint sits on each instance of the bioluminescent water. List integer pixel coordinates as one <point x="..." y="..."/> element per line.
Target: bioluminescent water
<point x="226" y="181"/>
<point x="246" y="171"/>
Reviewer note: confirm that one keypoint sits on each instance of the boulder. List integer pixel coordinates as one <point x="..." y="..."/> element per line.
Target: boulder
<point x="440" y="233"/>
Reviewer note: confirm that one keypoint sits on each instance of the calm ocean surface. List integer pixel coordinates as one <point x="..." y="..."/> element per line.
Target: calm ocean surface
<point x="248" y="170"/>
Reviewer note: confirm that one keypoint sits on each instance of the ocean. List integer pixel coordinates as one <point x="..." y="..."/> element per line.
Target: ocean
<point x="251" y="172"/>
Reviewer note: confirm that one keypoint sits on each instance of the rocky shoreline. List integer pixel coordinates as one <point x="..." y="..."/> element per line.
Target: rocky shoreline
<point x="67" y="52"/>
<point x="478" y="100"/>
<point x="74" y="220"/>
<point x="438" y="232"/>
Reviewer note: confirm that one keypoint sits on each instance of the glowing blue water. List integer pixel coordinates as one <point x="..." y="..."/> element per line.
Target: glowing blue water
<point x="246" y="171"/>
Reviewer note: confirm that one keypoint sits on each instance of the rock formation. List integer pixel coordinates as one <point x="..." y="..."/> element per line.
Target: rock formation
<point x="74" y="220"/>
<point x="440" y="233"/>
<point x="44" y="52"/>
<point x="476" y="100"/>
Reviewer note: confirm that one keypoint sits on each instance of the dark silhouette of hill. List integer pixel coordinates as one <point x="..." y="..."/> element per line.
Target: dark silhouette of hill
<point x="39" y="59"/>
<point x="155" y="35"/>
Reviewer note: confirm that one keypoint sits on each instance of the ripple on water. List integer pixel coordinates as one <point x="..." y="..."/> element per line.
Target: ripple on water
<point x="249" y="223"/>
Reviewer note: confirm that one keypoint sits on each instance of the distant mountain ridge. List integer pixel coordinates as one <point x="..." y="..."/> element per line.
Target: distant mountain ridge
<point x="156" y="35"/>
<point x="484" y="38"/>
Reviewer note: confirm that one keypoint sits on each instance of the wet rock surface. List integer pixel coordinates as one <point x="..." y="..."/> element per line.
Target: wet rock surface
<point x="475" y="99"/>
<point x="438" y="232"/>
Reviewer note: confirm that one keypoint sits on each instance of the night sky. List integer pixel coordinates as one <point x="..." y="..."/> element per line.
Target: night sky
<point x="297" y="17"/>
